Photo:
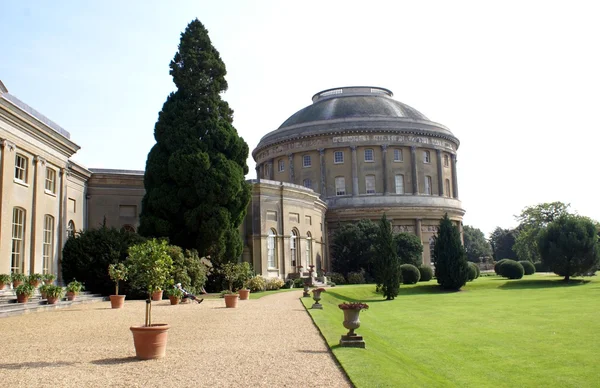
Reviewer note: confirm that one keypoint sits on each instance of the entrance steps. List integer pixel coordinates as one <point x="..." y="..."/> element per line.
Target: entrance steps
<point x="10" y="307"/>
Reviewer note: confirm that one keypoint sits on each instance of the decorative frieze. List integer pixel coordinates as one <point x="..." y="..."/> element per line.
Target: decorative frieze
<point x="403" y="229"/>
<point x="429" y="228"/>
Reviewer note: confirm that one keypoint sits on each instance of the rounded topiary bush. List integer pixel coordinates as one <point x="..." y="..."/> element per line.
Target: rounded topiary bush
<point x="426" y="273"/>
<point x="498" y="265"/>
<point x="528" y="267"/>
<point x="512" y="269"/>
<point x="473" y="271"/>
<point x="410" y="274"/>
<point x="355" y="278"/>
<point x="337" y="278"/>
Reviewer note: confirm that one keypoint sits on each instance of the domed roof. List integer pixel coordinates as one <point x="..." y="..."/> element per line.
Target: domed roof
<point x="344" y="103"/>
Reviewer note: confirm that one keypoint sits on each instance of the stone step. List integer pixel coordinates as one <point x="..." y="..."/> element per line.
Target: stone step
<point x="35" y="304"/>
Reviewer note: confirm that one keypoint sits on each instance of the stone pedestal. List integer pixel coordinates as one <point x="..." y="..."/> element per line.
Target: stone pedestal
<point x="352" y="341"/>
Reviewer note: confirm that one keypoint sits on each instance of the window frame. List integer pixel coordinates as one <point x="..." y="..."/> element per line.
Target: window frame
<point x="21" y="171"/>
<point x="428" y="185"/>
<point x="447" y="187"/>
<point x="305" y="181"/>
<point x="47" y="243"/>
<point x="281" y="165"/>
<point x="372" y="153"/>
<point x="400" y="159"/>
<point x="308" y="249"/>
<point x="426" y="157"/>
<point x="294" y="248"/>
<point x="446" y="160"/>
<point x="18" y="239"/>
<point x="70" y="229"/>
<point x="335" y="157"/>
<point x="337" y="191"/>
<point x="396" y="186"/>
<point x="374" y="191"/>
<point x="271" y="249"/>
<point x="306" y="158"/>
<point x="50" y="182"/>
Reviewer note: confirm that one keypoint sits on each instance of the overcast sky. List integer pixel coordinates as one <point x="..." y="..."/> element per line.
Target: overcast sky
<point x="517" y="82"/>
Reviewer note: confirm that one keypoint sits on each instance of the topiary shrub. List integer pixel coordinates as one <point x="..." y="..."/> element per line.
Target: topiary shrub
<point x="337" y="278"/>
<point x="356" y="278"/>
<point x="498" y="265"/>
<point x="426" y="273"/>
<point x="410" y="274"/>
<point x="511" y="269"/>
<point x="274" y="284"/>
<point x="473" y="271"/>
<point x="257" y="284"/>
<point x="528" y="267"/>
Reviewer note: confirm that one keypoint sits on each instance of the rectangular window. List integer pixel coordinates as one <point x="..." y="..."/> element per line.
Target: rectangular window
<point x="271" y="215"/>
<point x="369" y="155"/>
<point x="21" y="168"/>
<point x="271" y="249"/>
<point x="399" y="180"/>
<point x="428" y="185"/>
<point x="281" y="166"/>
<point x="127" y="211"/>
<point x="306" y="161"/>
<point x="295" y="217"/>
<point x="370" y="183"/>
<point x="340" y="185"/>
<point x="426" y="157"/>
<point x="18" y="226"/>
<point x="307" y="183"/>
<point x="338" y="157"/>
<point x="446" y="161"/>
<point x="447" y="184"/>
<point x="47" y="243"/>
<point x="397" y="155"/>
<point x="50" y="180"/>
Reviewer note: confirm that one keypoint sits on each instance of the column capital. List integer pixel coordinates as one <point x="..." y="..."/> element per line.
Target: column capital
<point x="6" y="143"/>
<point x="290" y="155"/>
<point x="413" y="148"/>
<point x="321" y="151"/>
<point x="40" y="159"/>
<point x="353" y="148"/>
<point x="384" y="147"/>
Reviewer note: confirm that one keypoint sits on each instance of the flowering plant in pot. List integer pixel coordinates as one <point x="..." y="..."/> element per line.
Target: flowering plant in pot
<point x="49" y="278"/>
<point x="4" y="280"/>
<point x="73" y="288"/>
<point x="24" y="292"/>
<point x="17" y="279"/>
<point x="35" y="279"/>
<point x="117" y="272"/>
<point x="150" y="268"/>
<point x="53" y="293"/>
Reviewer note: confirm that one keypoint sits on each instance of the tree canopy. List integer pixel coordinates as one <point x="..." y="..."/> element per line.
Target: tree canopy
<point x="451" y="267"/>
<point x="409" y="248"/>
<point x="502" y="242"/>
<point x="569" y="246"/>
<point x="196" y="194"/>
<point x="476" y="246"/>
<point x="352" y="247"/>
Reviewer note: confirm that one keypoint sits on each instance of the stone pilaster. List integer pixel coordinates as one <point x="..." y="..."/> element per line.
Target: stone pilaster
<point x="291" y="167"/>
<point x="62" y="219"/>
<point x="257" y="168"/>
<point x="271" y="169"/>
<point x="5" y="147"/>
<point x="354" y="171"/>
<point x="413" y="162"/>
<point x="322" y="163"/>
<point x="36" y="163"/>
<point x="454" y="177"/>
<point x="384" y="148"/>
<point x="440" y="179"/>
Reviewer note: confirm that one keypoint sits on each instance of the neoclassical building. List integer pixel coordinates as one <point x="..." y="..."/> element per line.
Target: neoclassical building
<point x="353" y="153"/>
<point x="366" y="154"/>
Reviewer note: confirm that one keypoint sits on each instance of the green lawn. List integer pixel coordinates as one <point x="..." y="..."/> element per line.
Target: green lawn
<point x="533" y="332"/>
<point x="253" y="295"/>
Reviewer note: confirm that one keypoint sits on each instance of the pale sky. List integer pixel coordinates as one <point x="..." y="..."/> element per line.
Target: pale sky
<point x="517" y="82"/>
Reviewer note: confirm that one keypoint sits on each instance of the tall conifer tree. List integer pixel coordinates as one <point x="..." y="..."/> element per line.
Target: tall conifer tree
<point x="196" y="194"/>
<point x="450" y="258"/>
<point x="387" y="263"/>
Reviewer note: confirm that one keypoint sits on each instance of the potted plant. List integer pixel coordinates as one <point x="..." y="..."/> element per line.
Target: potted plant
<point x="175" y="295"/>
<point x="24" y="292"/>
<point x="17" y="279"/>
<point x="245" y="274"/>
<point x="117" y="272"/>
<point x="234" y="272"/>
<point x="317" y="297"/>
<point x="149" y="267"/>
<point x="4" y="280"/>
<point x="35" y="279"/>
<point x="49" y="278"/>
<point x="157" y="294"/>
<point x="73" y="289"/>
<point x="53" y="293"/>
<point x="43" y="289"/>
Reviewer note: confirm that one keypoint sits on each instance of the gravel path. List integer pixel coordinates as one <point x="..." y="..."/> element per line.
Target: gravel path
<point x="265" y="342"/>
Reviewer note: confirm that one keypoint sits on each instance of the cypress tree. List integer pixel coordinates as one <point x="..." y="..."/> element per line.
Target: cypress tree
<point x="387" y="264"/>
<point x="196" y="194"/>
<point x="451" y="267"/>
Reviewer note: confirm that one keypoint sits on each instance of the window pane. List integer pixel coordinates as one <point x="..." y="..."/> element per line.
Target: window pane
<point x="340" y="185"/>
<point x="397" y="155"/>
<point x="307" y="183"/>
<point x="369" y="155"/>
<point x="399" y="184"/>
<point x="281" y="166"/>
<point x="370" y="183"/>
<point x="338" y="157"/>
<point x="306" y="161"/>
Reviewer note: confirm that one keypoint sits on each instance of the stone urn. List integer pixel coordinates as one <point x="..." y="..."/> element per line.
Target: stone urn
<point x="352" y="322"/>
<point x="317" y="297"/>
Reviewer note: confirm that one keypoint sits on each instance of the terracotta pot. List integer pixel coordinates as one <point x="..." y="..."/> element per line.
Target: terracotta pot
<point x="174" y="300"/>
<point x="2" y="286"/>
<point x="71" y="295"/>
<point x="231" y="300"/>
<point x="150" y="342"/>
<point x="17" y="283"/>
<point x="48" y="282"/>
<point x="52" y="300"/>
<point x="22" y="298"/>
<point x="117" y="301"/>
<point x="35" y="283"/>
<point x="244" y="294"/>
<point x="157" y="295"/>
<point x="43" y="294"/>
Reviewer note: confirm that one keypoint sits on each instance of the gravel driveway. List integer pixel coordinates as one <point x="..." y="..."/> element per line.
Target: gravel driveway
<point x="265" y="342"/>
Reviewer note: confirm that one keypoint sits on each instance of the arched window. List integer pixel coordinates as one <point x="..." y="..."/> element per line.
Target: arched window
<point x="18" y="230"/>
<point x="47" y="243"/>
<point x="271" y="251"/>
<point x="129" y="228"/>
<point x="431" y="248"/>
<point x="71" y="229"/>
<point x="293" y="250"/>
<point x="309" y="260"/>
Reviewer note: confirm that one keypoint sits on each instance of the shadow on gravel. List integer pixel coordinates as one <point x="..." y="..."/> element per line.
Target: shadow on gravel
<point x="34" y="364"/>
<point x="114" y="361"/>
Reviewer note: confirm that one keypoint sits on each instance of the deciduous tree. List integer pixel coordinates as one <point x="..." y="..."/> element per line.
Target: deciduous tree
<point x="502" y="242"/>
<point x="476" y="246"/>
<point x="352" y="247"/>
<point x="409" y="249"/>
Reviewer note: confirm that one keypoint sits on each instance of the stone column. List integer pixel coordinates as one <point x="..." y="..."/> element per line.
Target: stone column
<point x="322" y="162"/>
<point x="438" y="155"/>
<point x="291" y="167"/>
<point x="385" y="173"/>
<point x="419" y="234"/>
<point x="413" y="161"/>
<point x="5" y="146"/>
<point x="271" y="169"/>
<point x="257" y="168"/>
<point x="62" y="218"/>
<point x="454" y="178"/>
<point x="354" y="171"/>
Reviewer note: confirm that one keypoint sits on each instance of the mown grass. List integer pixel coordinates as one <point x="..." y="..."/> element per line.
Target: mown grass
<point x="253" y="295"/>
<point x="535" y="332"/>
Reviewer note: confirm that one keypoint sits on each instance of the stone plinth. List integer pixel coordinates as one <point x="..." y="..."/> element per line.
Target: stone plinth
<point x="352" y="341"/>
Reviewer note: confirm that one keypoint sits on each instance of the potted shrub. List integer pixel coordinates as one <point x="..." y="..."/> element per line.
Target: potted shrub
<point x="175" y="295"/>
<point x="149" y="267"/>
<point x="49" y="278"/>
<point x="24" y="292"/>
<point x="53" y="293"/>
<point x="17" y="279"/>
<point x="157" y="294"/>
<point x="43" y="289"/>
<point x="117" y="272"/>
<point x="234" y="272"/>
<point x="35" y="279"/>
<point x="245" y="274"/>
<point x="4" y="280"/>
<point x="73" y="289"/>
